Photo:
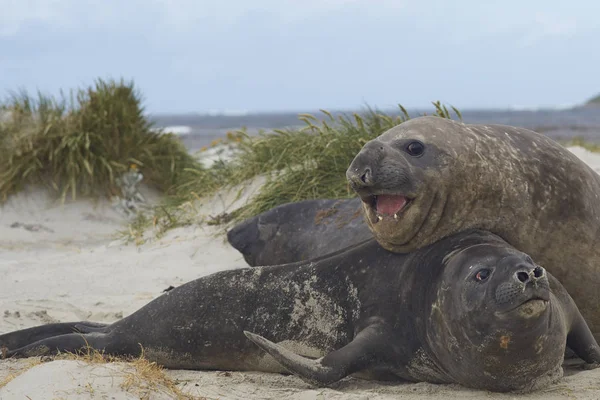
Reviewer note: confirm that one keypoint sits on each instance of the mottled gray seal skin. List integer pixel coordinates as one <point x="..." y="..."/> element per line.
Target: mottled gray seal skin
<point x="430" y="177"/>
<point x="469" y="309"/>
<point x="300" y="231"/>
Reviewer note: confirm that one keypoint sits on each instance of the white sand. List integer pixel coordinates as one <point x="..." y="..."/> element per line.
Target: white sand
<point x="72" y="268"/>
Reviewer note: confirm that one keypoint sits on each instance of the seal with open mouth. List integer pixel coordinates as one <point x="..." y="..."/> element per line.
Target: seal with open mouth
<point x="469" y="309"/>
<point x="430" y="177"/>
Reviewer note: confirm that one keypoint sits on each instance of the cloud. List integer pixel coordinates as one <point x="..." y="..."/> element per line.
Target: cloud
<point x="15" y="13"/>
<point x="547" y="26"/>
<point x="63" y="15"/>
<point x="175" y="15"/>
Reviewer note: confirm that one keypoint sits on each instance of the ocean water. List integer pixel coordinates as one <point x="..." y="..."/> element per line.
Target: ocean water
<point x="198" y="130"/>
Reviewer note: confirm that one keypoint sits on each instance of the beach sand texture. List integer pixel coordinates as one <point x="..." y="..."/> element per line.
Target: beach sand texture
<point x="64" y="263"/>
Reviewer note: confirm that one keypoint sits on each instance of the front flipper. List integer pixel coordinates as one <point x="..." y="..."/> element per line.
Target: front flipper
<point x="582" y="342"/>
<point x="367" y="348"/>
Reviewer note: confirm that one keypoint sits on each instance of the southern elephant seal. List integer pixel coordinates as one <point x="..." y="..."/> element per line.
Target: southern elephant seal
<point x="469" y="309"/>
<point x="300" y="231"/>
<point x="430" y="177"/>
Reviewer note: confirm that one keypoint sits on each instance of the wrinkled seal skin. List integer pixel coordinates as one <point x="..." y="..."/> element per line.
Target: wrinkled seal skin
<point x="514" y="182"/>
<point x="424" y="316"/>
<point x="300" y="231"/>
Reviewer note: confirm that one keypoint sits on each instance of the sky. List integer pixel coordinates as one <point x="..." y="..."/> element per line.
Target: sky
<point x="283" y="55"/>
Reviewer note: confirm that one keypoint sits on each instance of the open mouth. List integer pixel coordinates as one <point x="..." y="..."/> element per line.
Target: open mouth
<point x="384" y="206"/>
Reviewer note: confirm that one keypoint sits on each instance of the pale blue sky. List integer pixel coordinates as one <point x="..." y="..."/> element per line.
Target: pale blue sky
<point x="262" y="55"/>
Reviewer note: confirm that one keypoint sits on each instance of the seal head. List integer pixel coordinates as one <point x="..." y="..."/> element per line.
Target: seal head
<point x="495" y="312"/>
<point x="397" y="177"/>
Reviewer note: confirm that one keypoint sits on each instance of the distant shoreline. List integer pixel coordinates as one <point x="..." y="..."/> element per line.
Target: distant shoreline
<point x="593" y="102"/>
<point x="562" y="124"/>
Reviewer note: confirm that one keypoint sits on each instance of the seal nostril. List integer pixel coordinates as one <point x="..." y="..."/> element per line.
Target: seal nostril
<point x="538" y="272"/>
<point x="522" y="276"/>
<point x="366" y="176"/>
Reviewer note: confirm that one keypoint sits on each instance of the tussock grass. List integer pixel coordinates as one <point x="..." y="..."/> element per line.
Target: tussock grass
<point x="581" y="142"/>
<point x="172" y="213"/>
<point x="79" y="144"/>
<point x="299" y="164"/>
<point x="311" y="163"/>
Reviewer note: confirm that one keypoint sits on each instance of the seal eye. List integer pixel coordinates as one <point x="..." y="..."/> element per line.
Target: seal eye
<point x="482" y="275"/>
<point x="415" y="148"/>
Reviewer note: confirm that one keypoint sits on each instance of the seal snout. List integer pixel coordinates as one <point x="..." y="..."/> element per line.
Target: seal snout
<point x="527" y="274"/>
<point x="360" y="178"/>
<point x="380" y="184"/>
<point x="360" y="175"/>
<point x="527" y="284"/>
<point x="362" y="172"/>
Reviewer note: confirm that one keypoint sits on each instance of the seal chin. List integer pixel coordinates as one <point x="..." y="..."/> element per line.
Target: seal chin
<point x="530" y="308"/>
<point x="388" y="207"/>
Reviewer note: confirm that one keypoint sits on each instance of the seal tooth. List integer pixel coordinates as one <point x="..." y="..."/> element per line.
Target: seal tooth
<point x="396" y="217"/>
<point x="379" y="217"/>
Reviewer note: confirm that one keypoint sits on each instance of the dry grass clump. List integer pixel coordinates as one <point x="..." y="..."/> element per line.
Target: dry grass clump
<point x="141" y="377"/>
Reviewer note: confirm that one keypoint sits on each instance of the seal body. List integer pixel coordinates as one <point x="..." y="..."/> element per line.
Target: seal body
<point x="469" y="309"/>
<point x="300" y="231"/>
<point x="431" y="177"/>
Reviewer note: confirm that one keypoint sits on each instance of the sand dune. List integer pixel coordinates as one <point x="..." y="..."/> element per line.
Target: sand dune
<point x="63" y="262"/>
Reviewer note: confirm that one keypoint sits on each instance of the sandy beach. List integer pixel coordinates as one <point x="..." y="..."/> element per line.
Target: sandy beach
<point x="66" y="263"/>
